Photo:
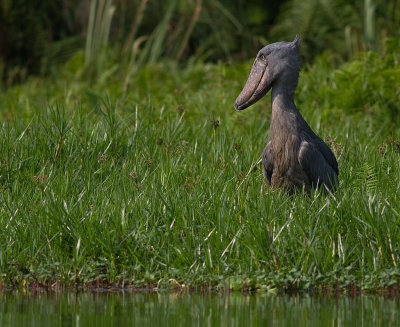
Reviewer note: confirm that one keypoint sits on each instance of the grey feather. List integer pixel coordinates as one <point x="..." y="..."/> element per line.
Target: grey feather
<point x="295" y="157"/>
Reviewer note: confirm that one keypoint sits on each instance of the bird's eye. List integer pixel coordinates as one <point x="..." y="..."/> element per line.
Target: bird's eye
<point x="262" y="57"/>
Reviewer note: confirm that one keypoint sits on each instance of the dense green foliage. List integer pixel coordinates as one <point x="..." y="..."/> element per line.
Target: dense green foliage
<point x="154" y="180"/>
<point x="36" y="35"/>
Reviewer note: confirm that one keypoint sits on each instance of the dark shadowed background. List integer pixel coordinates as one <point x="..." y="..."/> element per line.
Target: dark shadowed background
<point x="37" y="35"/>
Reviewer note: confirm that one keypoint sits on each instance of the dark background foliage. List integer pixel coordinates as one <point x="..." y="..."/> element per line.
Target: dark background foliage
<point x="37" y="34"/>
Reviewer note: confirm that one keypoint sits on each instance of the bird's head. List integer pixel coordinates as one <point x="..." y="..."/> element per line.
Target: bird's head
<point x="277" y="62"/>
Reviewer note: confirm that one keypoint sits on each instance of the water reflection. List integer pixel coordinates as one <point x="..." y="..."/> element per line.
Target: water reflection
<point x="174" y="309"/>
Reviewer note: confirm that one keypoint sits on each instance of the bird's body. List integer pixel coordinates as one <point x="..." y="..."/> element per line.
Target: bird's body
<point x="294" y="157"/>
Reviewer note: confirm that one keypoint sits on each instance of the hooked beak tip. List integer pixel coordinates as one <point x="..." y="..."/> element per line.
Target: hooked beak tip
<point x="239" y="107"/>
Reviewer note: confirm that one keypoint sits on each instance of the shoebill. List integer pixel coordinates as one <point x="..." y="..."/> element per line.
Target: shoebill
<point x="294" y="157"/>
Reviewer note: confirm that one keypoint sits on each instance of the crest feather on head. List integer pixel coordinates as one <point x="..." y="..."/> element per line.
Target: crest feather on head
<point x="296" y="41"/>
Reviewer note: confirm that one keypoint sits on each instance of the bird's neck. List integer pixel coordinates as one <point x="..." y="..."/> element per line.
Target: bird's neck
<point x="282" y="93"/>
<point x="285" y="118"/>
<point x="282" y="100"/>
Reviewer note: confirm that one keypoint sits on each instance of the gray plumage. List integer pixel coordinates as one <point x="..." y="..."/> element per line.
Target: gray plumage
<point x="295" y="157"/>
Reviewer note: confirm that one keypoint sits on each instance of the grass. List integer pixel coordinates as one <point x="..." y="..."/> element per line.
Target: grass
<point x="161" y="186"/>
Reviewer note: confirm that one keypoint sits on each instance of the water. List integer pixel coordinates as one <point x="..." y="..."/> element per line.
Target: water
<point x="173" y="309"/>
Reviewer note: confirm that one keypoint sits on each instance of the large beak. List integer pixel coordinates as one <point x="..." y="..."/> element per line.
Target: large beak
<point x="256" y="86"/>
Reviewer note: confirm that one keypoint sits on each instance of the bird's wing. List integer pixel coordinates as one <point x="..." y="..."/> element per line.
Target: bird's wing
<point x="315" y="165"/>
<point x="328" y="154"/>
<point x="268" y="162"/>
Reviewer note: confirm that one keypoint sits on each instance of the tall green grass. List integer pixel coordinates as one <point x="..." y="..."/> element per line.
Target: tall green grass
<point x="99" y="25"/>
<point x="162" y="185"/>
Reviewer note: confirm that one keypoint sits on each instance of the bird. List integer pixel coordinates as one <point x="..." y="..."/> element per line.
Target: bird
<point x="295" y="158"/>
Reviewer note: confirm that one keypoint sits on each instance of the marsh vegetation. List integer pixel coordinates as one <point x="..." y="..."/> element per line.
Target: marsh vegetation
<point x="123" y="162"/>
<point x="158" y="185"/>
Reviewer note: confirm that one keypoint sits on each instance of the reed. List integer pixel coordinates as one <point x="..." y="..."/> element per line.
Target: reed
<point x="161" y="186"/>
<point x="98" y="30"/>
